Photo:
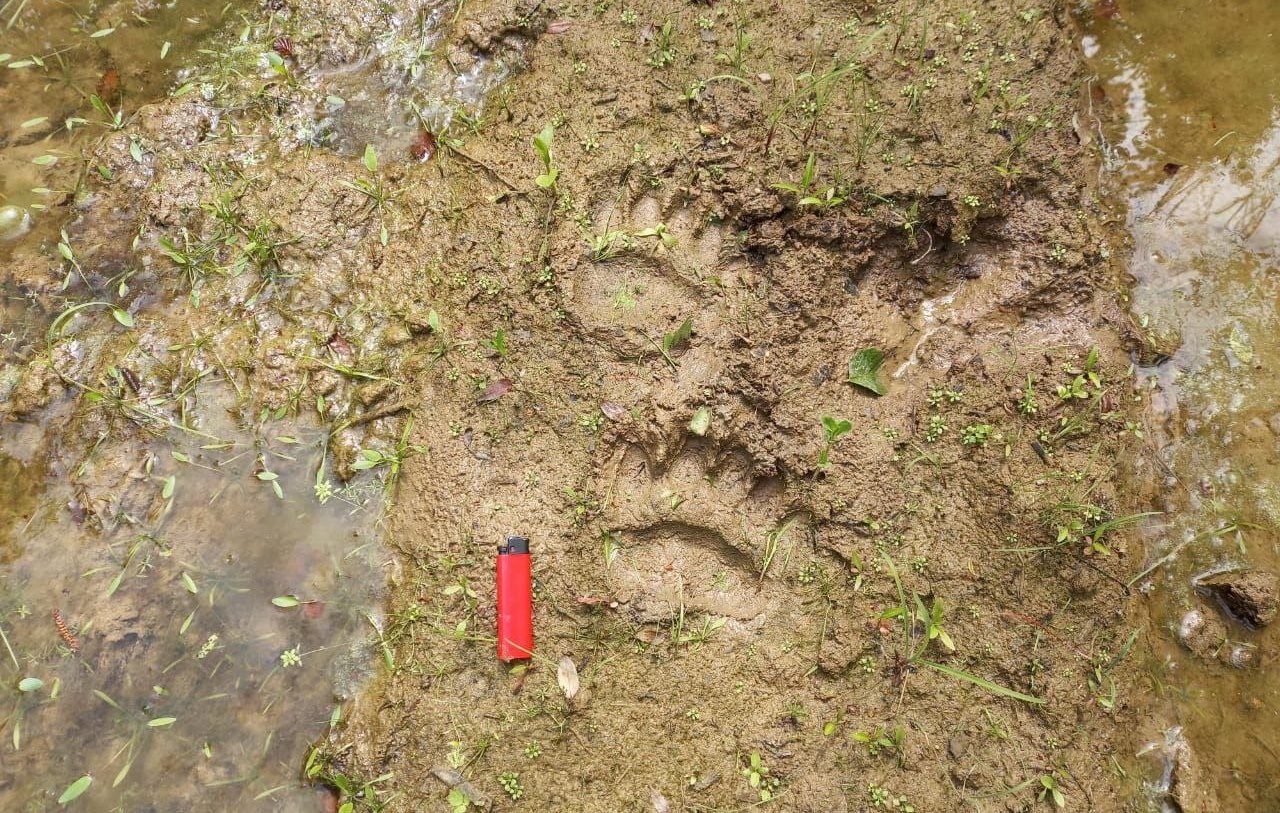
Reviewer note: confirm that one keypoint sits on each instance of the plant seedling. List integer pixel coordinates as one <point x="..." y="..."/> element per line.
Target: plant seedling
<point x="757" y="774"/>
<point x="833" y="429"/>
<point x="807" y="193"/>
<point x="376" y="194"/>
<point x="1049" y="788"/>
<point x="542" y="146"/>
<point x="915" y="645"/>
<point x="673" y="340"/>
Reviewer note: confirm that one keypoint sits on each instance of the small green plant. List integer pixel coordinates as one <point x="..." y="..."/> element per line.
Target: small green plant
<point x="364" y="795"/>
<point x="922" y="626"/>
<point x="542" y="146"/>
<point x="736" y="58"/>
<point x="757" y="774"/>
<point x="608" y="245"/>
<point x="936" y="429"/>
<point x="1028" y="405"/>
<point x="882" y="797"/>
<point x="664" y="51"/>
<point x="510" y="782"/>
<point x="881" y="740"/>
<point x="1076" y="388"/>
<point x="674" y="340"/>
<point x="832" y="430"/>
<point x="772" y="541"/>
<point x="944" y="395"/>
<point x="806" y="192"/>
<point x="393" y="459"/>
<point x="532" y="750"/>
<point x="976" y="434"/>
<point x="665" y="237"/>
<point x="458" y="801"/>
<point x="377" y="196"/>
<point x="1051" y="789"/>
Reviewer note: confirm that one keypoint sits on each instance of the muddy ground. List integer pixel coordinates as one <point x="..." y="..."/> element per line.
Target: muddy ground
<point x="730" y="593"/>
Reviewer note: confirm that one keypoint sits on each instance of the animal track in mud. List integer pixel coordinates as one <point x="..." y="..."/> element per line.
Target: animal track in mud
<point x="692" y="535"/>
<point x="642" y="274"/>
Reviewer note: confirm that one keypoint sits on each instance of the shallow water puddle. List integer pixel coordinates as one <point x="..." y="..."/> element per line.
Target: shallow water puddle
<point x="182" y="612"/>
<point x="1194" y="156"/>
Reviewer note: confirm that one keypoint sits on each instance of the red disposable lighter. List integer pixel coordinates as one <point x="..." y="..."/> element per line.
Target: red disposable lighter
<point x="515" y="600"/>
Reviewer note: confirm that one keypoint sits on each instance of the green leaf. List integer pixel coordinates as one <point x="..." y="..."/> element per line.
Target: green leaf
<point x="286" y="601"/>
<point x="123" y="773"/>
<point x="678" y="336"/>
<point x="161" y="722"/>
<point x="164" y="49"/>
<point x="864" y="370"/>
<point x="370" y="158"/>
<point x="994" y="688"/>
<point x="547" y="179"/>
<point x="36" y="122"/>
<point x="186" y="623"/>
<point x="169" y="483"/>
<point x="75" y="790"/>
<point x="179" y="456"/>
<point x="101" y="32"/>
<point x="122" y="316"/>
<point x="189" y="583"/>
<point x="105" y="698"/>
<point x="135" y="150"/>
<point x="433" y="321"/>
<point x="267" y="475"/>
<point x="30" y="684"/>
<point x="542" y="144"/>
<point x="701" y="421"/>
<point x="836" y="429"/>
<point x="44" y="160"/>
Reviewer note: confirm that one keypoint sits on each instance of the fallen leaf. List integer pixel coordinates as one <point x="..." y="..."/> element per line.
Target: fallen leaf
<point x="496" y="390"/>
<point x="567" y="677"/>
<point x="613" y="410"/>
<point x="424" y="146"/>
<point x="659" y="802"/>
<point x="559" y="26"/>
<point x="340" y="346"/>
<point x="864" y="370"/>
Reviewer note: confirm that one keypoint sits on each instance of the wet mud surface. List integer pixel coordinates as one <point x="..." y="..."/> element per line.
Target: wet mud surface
<point x="332" y="262"/>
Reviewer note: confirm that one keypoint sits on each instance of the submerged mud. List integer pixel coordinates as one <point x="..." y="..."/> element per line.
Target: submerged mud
<point x="634" y="346"/>
<point x="1190" y="145"/>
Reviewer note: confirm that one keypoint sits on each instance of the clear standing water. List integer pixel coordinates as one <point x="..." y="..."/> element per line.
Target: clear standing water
<point x="180" y="615"/>
<point x="1186" y="96"/>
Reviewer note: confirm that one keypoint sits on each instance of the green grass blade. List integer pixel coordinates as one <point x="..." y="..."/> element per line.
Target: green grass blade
<point x="994" y="688"/>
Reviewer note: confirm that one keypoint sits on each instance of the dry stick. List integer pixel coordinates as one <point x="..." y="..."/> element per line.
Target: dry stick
<point x="482" y="165"/>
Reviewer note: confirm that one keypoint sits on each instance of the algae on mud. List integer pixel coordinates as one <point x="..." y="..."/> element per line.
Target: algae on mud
<point x="723" y="596"/>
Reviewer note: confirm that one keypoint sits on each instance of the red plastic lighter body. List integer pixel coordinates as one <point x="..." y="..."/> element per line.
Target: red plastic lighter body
<point x="515" y="600"/>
